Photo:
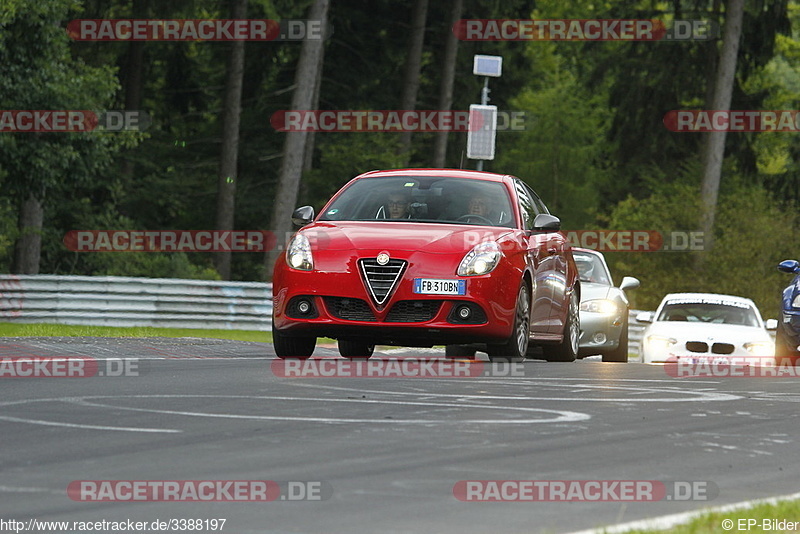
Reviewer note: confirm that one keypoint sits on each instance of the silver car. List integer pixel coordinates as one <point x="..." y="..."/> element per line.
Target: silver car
<point x="604" y="308"/>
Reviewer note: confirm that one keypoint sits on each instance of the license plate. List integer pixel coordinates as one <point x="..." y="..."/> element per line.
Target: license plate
<point x="431" y="286"/>
<point x="709" y="360"/>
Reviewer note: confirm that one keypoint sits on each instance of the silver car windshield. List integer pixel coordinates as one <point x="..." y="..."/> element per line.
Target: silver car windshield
<point x="591" y="269"/>
<point x="423" y="199"/>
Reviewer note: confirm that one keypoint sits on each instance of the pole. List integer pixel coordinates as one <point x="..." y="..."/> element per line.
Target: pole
<point x="484" y="101"/>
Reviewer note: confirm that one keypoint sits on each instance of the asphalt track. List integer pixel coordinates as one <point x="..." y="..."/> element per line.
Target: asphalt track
<point x="387" y="452"/>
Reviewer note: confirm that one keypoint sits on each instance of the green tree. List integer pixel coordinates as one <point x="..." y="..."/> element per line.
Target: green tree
<point x="560" y="153"/>
<point x="40" y="73"/>
<point x="752" y="235"/>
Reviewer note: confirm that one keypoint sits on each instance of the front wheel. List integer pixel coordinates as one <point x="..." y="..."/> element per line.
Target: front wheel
<point x="620" y="354"/>
<point x="355" y="349"/>
<point x="567" y="349"/>
<point x="517" y="345"/>
<point x="785" y="350"/>
<point x="292" y="347"/>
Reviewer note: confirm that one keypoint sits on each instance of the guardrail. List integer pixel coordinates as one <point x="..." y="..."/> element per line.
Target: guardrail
<point x="635" y="331"/>
<point x="123" y="301"/>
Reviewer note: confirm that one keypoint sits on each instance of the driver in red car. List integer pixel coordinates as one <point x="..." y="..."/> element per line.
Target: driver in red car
<point x="478" y="205"/>
<point x="397" y="205"/>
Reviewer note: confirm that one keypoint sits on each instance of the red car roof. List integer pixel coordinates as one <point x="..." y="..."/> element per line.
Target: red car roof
<point x="452" y="173"/>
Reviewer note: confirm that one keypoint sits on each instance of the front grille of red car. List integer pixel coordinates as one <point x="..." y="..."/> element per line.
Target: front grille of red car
<point x="381" y="279"/>
<point x="413" y="311"/>
<point x="349" y="309"/>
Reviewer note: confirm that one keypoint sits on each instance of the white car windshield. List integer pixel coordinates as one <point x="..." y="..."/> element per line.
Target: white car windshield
<point x="709" y="313"/>
<point x="423" y="199"/>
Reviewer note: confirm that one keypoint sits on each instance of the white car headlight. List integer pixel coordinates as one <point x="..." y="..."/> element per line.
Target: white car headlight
<point x="796" y="301"/>
<point x="608" y="307"/>
<point x="660" y="342"/>
<point x="298" y="253"/>
<point x="482" y="259"/>
<point x="760" y="348"/>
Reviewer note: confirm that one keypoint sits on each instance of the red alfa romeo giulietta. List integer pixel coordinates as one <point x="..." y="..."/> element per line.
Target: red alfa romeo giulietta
<point x="423" y="257"/>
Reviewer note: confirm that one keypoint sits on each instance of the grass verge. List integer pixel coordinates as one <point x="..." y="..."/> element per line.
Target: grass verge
<point x="762" y="517"/>
<point x="61" y="330"/>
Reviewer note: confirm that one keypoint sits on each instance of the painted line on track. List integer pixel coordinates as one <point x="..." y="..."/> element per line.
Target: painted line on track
<point x="699" y="396"/>
<point x="559" y="416"/>
<point x="668" y="521"/>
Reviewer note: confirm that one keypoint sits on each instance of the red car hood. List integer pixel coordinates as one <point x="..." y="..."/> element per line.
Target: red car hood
<point x="430" y="237"/>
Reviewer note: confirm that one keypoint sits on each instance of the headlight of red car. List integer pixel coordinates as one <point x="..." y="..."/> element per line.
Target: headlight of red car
<point x="298" y="254"/>
<point x="482" y="259"/>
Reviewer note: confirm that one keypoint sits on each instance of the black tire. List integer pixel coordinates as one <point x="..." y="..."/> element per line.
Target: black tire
<point x="620" y="354"/>
<point x="785" y="353"/>
<point x="293" y="347"/>
<point x="516" y="347"/>
<point x="459" y="351"/>
<point x="355" y="349"/>
<point x="567" y="349"/>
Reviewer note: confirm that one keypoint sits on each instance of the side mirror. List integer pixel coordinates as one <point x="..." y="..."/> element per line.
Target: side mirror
<point x="302" y="216"/>
<point x="546" y="223"/>
<point x="629" y="282"/>
<point x="771" y="324"/>
<point x="645" y="317"/>
<point x="789" y="266"/>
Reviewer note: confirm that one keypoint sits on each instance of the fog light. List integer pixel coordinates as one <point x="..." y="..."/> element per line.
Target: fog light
<point x="599" y="338"/>
<point x="464" y="312"/>
<point x="304" y="307"/>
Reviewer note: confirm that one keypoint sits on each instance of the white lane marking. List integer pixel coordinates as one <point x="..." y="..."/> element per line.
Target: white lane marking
<point x="14" y="489"/>
<point x="185" y="358"/>
<point x="710" y="447"/>
<point x="665" y="522"/>
<point x="86" y="427"/>
<point x="698" y="395"/>
<point x="75" y="425"/>
<point x="560" y="416"/>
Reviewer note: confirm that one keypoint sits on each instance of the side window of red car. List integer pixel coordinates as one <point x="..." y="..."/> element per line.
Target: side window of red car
<point x="540" y="207"/>
<point x="527" y="206"/>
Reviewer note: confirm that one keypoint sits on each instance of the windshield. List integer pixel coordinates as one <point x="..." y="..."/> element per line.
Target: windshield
<point x="727" y="312"/>
<point x="423" y="199"/>
<point x="591" y="269"/>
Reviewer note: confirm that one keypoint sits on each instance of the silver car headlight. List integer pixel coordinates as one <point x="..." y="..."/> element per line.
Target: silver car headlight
<point x="608" y="307"/>
<point x="298" y="253"/>
<point x="482" y="259"/>
<point x="796" y="301"/>
<point x="660" y="342"/>
<point x="760" y="348"/>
